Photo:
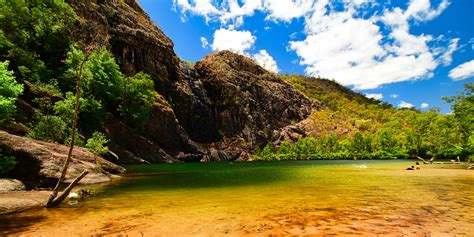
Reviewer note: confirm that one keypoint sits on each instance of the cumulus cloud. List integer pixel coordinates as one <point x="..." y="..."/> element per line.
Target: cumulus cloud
<point x="382" y="51"/>
<point x="266" y="61"/>
<point x="233" y="40"/>
<point x="204" y="43"/>
<point x="463" y="71"/>
<point x="232" y="12"/>
<point x="423" y="11"/>
<point x="447" y="57"/>
<point x="286" y="10"/>
<point x="200" y="7"/>
<point x="370" y="58"/>
<point x="405" y="105"/>
<point x="424" y="105"/>
<point x="394" y="96"/>
<point x="374" y="96"/>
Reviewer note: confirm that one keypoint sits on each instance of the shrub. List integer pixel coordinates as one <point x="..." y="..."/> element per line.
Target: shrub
<point x="50" y="128"/>
<point x="97" y="144"/>
<point x="9" y="90"/>
<point x="138" y="99"/>
<point x="7" y="162"/>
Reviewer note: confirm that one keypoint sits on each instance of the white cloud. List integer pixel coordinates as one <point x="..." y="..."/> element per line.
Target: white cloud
<point x="236" y="41"/>
<point x="286" y="10"/>
<point x="370" y="58"/>
<point x="405" y="105"/>
<point x="266" y="61"/>
<point x="424" y="105"/>
<point x="204" y="43"/>
<point x="232" y="12"/>
<point x="446" y="57"/>
<point x="374" y="96"/>
<point x="349" y="43"/>
<point x="463" y="71"/>
<point x="199" y="7"/>
<point x="394" y="96"/>
<point x="422" y="10"/>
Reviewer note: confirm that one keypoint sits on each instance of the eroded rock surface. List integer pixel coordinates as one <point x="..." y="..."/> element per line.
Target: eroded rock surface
<point x="220" y="109"/>
<point x="39" y="163"/>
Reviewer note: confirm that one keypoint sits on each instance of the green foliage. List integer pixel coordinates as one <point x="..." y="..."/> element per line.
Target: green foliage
<point x="34" y="36"/>
<point x="7" y="162"/>
<point x="9" y="91"/>
<point x="103" y="79"/>
<point x="138" y="99"/>
<point x="404" y="134"/>
<point x="97" y="144"/>
<point x="463" y="108"/>
<point x="349" y="126"/>
<point x="91" y="112"/>
<point x="50" y="128"/>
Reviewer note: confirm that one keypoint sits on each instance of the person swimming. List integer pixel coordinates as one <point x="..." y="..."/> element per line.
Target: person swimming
<point x="411" y="168"/>
<point x="417" y="166"/>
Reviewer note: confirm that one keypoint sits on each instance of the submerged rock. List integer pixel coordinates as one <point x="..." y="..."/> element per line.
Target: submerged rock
<point x="39" y="163"/>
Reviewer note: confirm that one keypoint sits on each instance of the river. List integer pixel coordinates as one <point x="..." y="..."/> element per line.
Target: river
<point x="266" y="198"/>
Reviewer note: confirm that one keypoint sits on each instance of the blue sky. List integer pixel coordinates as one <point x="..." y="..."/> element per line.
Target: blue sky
<point x="407" y="53"/>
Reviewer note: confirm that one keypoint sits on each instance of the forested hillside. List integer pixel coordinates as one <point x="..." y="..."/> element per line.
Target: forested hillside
<point x="347" y="125"/>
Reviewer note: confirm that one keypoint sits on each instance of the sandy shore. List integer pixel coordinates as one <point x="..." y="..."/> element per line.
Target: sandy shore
<point x="16" y="201"/>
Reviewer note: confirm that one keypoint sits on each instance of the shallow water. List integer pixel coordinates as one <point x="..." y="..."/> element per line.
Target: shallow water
<point x="267" y="198"/>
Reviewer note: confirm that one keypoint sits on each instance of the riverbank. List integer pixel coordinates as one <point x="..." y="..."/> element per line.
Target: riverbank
<point x="18" y="201"/>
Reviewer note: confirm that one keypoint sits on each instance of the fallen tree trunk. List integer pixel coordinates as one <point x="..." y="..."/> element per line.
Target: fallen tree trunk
<point x="65" y="193"/>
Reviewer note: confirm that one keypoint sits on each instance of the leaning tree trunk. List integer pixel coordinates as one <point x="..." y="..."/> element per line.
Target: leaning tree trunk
<point x="66" y="191"/>
<point x="53" y="201"/>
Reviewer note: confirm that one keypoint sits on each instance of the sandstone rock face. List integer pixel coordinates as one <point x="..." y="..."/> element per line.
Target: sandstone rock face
<point x="11" y="185"/>
<point x="39" y="163"/>
<point x="220" y="109"/>
<point x="249" y="102"/>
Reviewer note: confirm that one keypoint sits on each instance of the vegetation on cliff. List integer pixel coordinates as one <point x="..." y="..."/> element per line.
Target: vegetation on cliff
<point x="38" y="38"/>
<point x="348" y="125"/>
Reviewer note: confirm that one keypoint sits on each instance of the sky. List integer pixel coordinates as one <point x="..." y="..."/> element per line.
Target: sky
<point x="407" y="53"/>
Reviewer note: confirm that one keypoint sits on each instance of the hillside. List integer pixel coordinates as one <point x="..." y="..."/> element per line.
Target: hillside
<point x="222" y="109"/>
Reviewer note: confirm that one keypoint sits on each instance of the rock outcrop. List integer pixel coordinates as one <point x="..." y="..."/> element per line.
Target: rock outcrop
<point x="249" y="104"/>
<point x="39" y="163"/>
<point x="221" y="109"/>
<point x="7" y="185"/>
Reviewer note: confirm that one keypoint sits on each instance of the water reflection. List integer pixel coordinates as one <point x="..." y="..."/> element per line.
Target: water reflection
<point x="266" y="198"/>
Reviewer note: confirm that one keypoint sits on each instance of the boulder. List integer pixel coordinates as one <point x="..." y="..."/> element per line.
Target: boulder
<point x="11" y="185"/>
<point x="39" y="163"/>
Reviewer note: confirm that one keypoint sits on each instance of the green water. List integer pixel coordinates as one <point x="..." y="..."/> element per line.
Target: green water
<point x="266" y="198"/>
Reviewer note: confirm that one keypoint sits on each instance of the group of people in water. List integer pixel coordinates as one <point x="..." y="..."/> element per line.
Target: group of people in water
<point x="414" y="167"/>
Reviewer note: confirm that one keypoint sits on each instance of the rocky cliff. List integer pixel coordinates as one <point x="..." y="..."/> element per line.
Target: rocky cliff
<point x="221" y="109"/>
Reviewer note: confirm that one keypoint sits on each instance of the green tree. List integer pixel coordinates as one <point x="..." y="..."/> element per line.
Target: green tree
<point x="97" y="144"/>
<point x="91" y="112"/>
<point x="138" y="99"/>
<point x="9" y="91"/>
<point x="463" y="108"/>
<point x="103" y="79"/>
<point x="35" y="35"/>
